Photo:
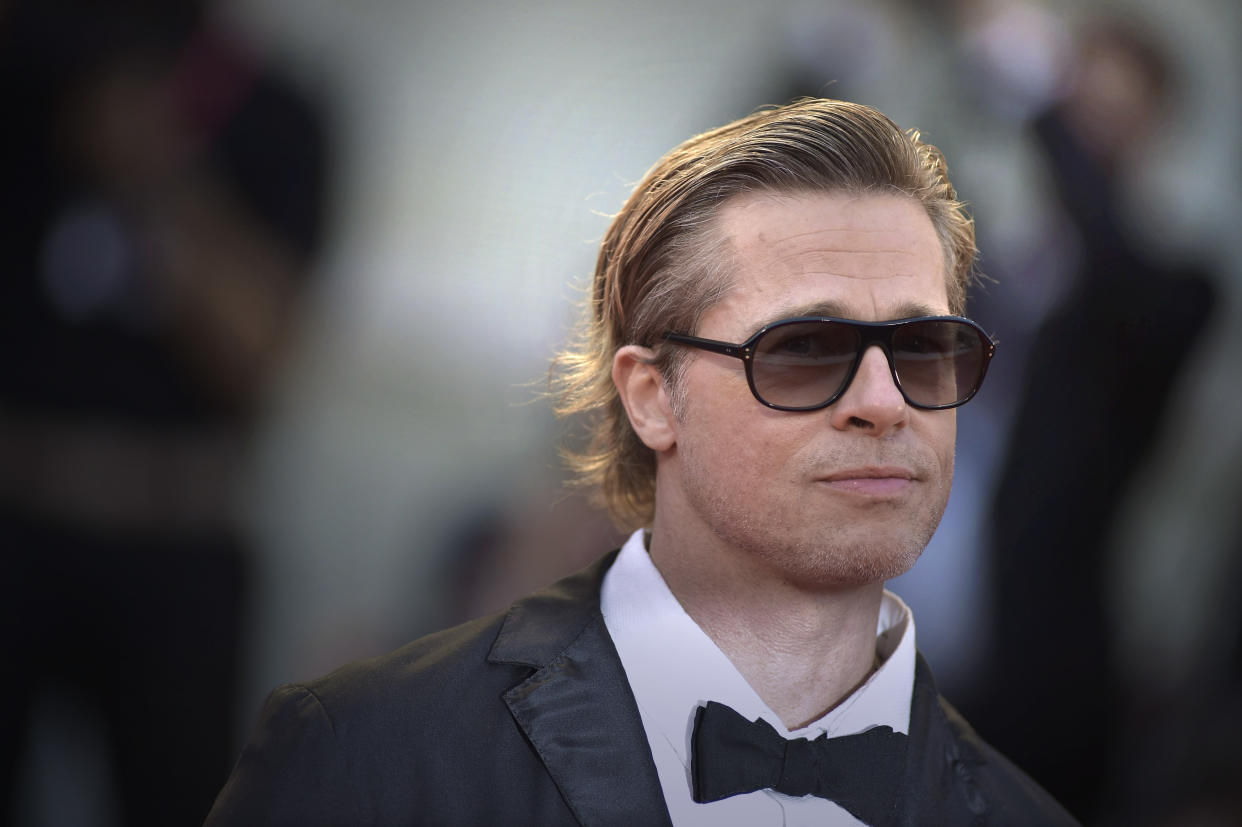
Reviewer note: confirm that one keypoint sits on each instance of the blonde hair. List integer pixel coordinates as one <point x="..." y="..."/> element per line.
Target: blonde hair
<point x="662" y="263"/>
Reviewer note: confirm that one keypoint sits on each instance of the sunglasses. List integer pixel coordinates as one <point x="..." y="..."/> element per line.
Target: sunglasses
<point x="806" y="363"/>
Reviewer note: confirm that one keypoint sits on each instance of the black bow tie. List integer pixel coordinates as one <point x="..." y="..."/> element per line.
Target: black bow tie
<point x="732" y="755"/>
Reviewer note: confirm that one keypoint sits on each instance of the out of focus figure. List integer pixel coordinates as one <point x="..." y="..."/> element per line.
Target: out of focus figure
<point x="162" y="197"/>
<point x="1100" y="373"/>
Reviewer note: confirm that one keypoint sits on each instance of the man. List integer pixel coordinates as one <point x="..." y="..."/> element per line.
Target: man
<point x="737" y="661"/>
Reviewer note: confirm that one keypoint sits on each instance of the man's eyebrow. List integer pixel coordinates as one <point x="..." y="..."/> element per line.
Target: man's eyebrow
<point x="906" y="310"/>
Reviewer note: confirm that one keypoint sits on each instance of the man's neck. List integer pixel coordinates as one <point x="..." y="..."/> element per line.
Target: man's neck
<point x="803" y="650"/>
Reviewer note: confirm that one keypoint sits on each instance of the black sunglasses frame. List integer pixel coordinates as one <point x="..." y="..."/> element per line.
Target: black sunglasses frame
<point x="871" y="333"/>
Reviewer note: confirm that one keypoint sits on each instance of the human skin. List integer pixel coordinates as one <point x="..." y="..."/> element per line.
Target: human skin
<point x="776" y="530"/>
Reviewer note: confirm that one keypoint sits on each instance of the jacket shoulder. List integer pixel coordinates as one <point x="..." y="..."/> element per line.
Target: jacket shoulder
<point x="955" y="777"/>
<point x="492" y="652"/>
<point x="419" y="671"/>
<point x="364" y="743"/>
<point x="1014" y="796"/>
<point x="379" y="739"/>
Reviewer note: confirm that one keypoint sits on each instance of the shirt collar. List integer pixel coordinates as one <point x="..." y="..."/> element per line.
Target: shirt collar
<point x="673" y="666"/>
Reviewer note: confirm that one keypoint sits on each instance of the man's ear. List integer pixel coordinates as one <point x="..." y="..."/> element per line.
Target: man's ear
<point x="645" y="397"/>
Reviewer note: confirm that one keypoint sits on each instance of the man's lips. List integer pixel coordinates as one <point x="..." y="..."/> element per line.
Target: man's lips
<point x="875" y="481"/>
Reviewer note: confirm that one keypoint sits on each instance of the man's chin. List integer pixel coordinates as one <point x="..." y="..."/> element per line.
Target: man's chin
<point x="853" y="567"/>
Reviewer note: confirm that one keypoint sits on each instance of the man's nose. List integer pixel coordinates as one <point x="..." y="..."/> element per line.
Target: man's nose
<point x="872" y="402"/>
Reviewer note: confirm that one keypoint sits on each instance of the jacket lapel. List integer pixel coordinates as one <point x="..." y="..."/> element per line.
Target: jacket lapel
<point x="939" y="785"/>
<point x="577" y="708"/>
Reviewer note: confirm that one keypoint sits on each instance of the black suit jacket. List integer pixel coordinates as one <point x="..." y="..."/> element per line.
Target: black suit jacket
<point x="526" y="717"/>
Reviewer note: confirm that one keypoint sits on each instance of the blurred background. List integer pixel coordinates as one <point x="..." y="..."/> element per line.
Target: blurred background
<point x="281" y="279"/>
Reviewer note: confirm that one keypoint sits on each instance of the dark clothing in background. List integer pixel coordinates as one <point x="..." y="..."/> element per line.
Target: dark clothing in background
<point x="144" y="633"/>
<point x="125" y="577"/>
<point x="1100" y="372"/>
<point x="526" y="717"/>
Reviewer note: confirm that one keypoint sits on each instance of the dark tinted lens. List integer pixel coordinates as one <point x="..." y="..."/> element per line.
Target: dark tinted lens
<point x="939" y="362"/>
<point x="803" y="364"/>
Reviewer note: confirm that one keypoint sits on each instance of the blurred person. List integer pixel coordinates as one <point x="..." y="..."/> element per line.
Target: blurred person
<point x="162" y="196"/>
<point x="1100" y="372"/>
<point x="738" y="660"/>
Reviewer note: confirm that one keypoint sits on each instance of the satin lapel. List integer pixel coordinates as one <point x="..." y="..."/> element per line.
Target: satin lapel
<point x="577" y="708"/>
<point x="939" y="785"/>
<point x="579" y="713"/>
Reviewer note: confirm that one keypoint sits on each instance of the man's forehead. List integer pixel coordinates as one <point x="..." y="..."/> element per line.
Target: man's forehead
<point x="812" y="228"/>
<point x="869" y="256"/>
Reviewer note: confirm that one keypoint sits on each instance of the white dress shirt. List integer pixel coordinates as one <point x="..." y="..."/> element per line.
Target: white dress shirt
<point x="674" y="667"/>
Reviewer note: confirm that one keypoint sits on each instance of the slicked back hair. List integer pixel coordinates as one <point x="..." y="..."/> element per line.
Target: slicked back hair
<point x="662" y="263"/>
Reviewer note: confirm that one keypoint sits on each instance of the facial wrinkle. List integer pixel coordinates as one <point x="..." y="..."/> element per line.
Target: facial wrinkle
<point x="828" y="231"/>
